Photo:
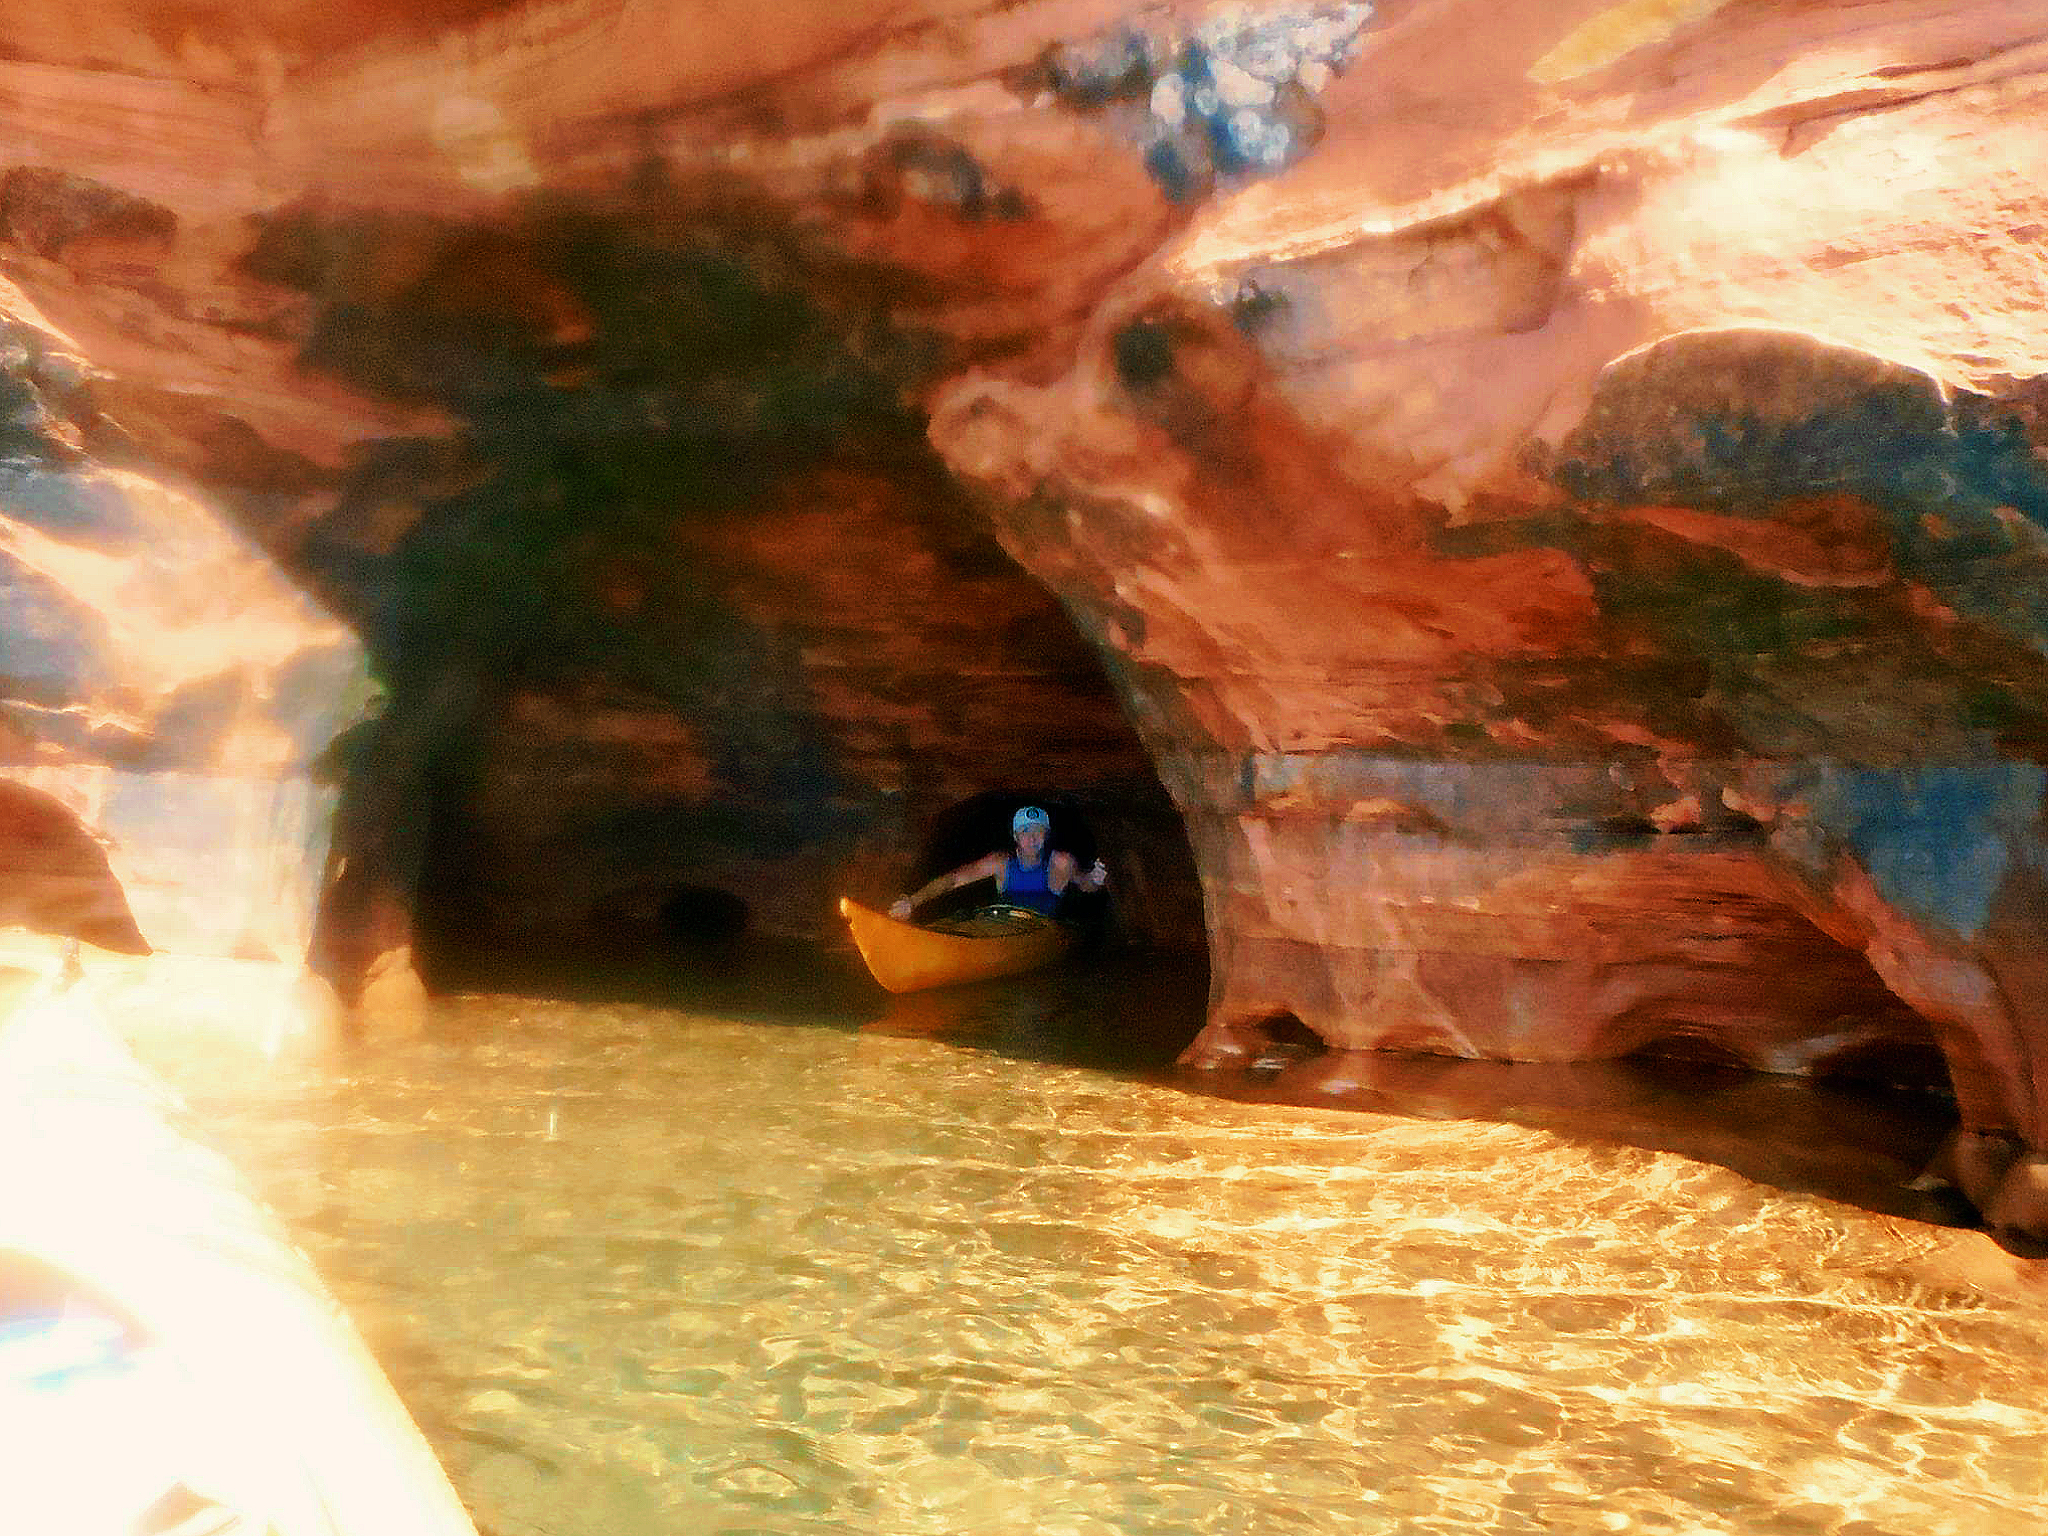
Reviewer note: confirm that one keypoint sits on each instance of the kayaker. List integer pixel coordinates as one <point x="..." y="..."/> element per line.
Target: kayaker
<point x="1029" y="876"/>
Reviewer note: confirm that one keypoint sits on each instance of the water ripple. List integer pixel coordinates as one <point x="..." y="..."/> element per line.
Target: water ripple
<point x="643" y="1271"/>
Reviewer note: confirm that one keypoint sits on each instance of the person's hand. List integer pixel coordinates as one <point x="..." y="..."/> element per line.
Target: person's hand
<point x="901" y="908"/>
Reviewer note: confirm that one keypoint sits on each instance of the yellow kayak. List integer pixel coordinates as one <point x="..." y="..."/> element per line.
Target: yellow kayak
<point x="906" y="957"/>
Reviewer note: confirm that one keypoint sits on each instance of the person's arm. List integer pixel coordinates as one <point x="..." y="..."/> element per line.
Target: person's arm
<point x="1062" y="874"/>
<point x="981" y="869"/>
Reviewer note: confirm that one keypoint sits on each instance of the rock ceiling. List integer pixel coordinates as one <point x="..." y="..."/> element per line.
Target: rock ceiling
<point x="1549" y="496"/>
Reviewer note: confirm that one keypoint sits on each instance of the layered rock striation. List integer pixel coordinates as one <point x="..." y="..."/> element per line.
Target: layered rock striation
<point x="1580" y="578"/>
<point x="165" y="695"/>
<point x="1555" y="490"/>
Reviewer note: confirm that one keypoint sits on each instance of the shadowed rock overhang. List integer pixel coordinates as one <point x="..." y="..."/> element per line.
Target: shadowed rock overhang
<point x="1563" y="519"/>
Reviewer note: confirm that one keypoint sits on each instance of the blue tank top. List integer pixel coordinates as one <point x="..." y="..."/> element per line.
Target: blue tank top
<point x="1027" y="885"/>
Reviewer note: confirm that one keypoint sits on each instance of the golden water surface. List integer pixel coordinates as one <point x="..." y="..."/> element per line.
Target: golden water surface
<point x="656" y="1269"/>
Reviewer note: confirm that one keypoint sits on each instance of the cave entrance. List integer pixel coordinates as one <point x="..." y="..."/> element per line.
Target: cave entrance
<point x="556" y="848"/>
<point x="764" y="730"/>
<point x="573" y="825"/>
<point x="1153" y="900"/>
<point x="689" y="632"/>
<point x="981" y="824"/>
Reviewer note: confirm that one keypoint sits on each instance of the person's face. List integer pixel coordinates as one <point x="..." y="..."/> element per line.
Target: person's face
<point x="1030" y="841"/>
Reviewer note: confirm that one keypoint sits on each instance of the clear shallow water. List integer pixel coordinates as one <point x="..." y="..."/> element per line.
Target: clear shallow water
<point x="647" y="1270"/>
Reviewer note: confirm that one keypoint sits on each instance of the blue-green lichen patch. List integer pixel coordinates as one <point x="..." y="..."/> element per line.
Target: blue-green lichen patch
<point x="1117" y="65"/>
<point x="1255" y="305"/>
<point x="919" y="165"/>
<point x="1740" y="423"/>
<point x="1937" y="839"/>
<point x="1697" y="648"/>
<point x="1233" y="96"/>
<point x="1809" y="556"/>
<point x="1852" y="558"/>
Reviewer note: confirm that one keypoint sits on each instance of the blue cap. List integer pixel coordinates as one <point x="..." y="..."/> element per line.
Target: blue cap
<point x="1029" y="816"/>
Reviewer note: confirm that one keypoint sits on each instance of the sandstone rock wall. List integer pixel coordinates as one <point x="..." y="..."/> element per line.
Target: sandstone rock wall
<point x="164" y="694"/>
<point x="1557" y="488"/>
<point x="1579" y="552"/>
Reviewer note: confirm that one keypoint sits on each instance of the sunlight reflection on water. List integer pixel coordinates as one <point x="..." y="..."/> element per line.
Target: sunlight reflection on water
<point x="638" y="1270"/>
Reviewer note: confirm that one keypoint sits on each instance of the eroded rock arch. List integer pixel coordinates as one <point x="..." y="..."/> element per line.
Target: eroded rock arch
<point x="1588" y="476"/>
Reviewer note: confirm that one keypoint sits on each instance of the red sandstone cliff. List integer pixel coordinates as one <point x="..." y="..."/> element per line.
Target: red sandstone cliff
<point x="1555" y="488"/>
